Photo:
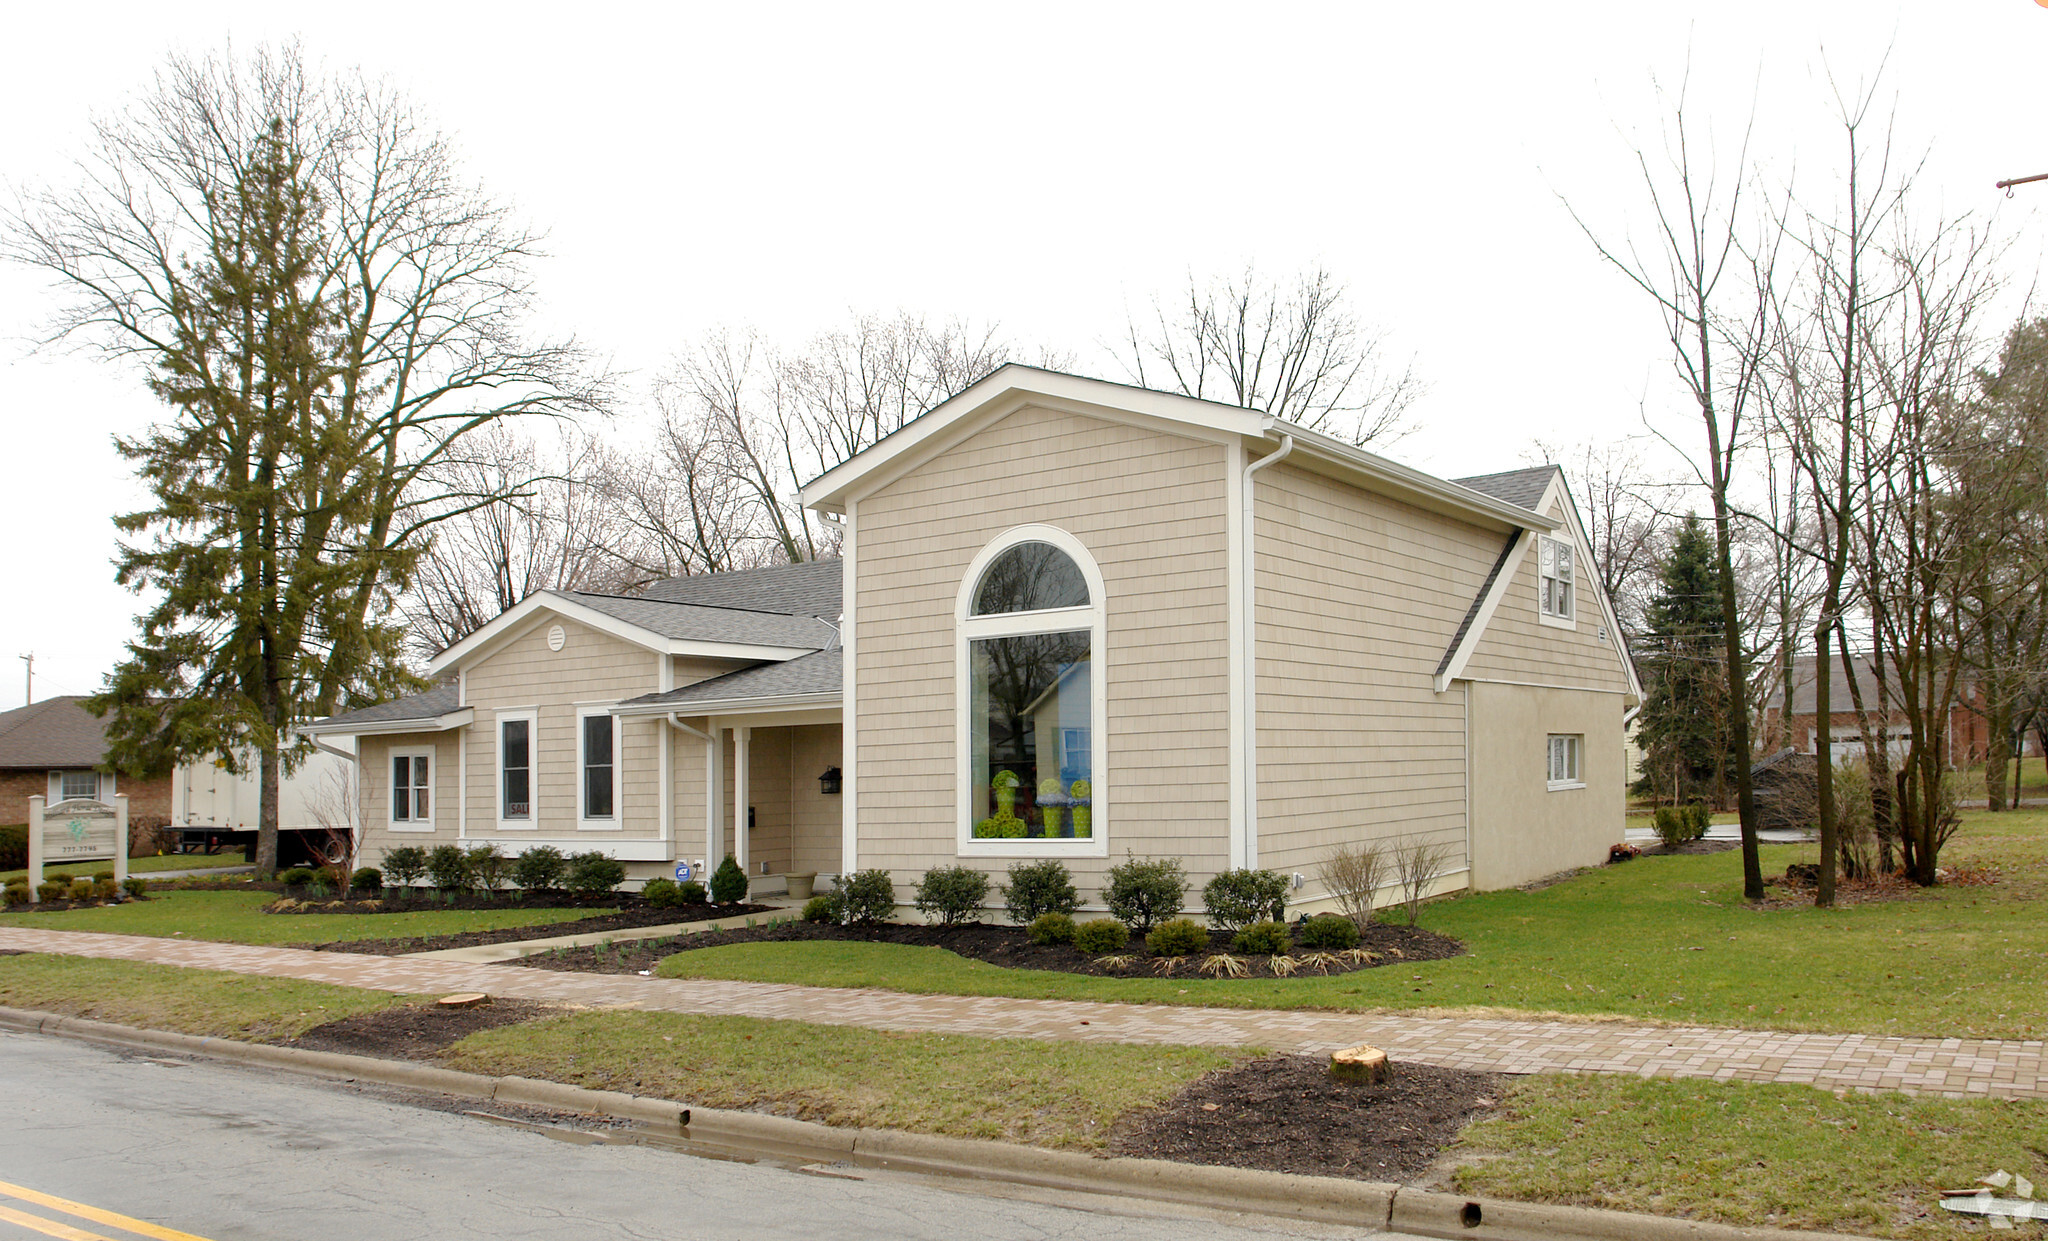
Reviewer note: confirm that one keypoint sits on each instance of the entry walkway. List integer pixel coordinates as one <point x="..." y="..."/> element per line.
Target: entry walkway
<point x="1958" y="1067"/>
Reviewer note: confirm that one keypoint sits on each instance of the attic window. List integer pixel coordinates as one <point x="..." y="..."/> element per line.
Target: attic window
<point x="1030" y="577"/>
<point x="1554" y="577"/>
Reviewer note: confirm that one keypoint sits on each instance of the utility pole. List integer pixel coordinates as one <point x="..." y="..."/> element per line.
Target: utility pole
<point x="29" y="695"/>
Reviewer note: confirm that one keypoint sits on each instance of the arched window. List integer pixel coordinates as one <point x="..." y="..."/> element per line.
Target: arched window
<point x="1031" y="699"/>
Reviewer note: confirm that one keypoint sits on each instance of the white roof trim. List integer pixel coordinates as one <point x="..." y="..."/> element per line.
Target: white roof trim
<point x="506" y="626"/>
<point x="734" y="706"/>
<point x="419" y="724"/>
<point x="1496" y="590"/>
<point x="1407" y="482"/>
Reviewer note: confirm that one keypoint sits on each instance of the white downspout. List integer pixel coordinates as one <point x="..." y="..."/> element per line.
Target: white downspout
<point x="1251" y="646"/>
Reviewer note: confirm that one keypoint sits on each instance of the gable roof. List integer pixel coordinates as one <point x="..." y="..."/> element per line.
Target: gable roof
<point x="1521" y="488"/>
<point x="56" y="732"/>
<point x="808" y="589"/>
<point x="816" y="676"/>
<point x="425" y="709"/>
<point x="709" y="623"/>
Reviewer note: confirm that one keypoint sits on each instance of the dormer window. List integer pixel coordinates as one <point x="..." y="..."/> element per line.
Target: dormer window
<point x="1554" y="577"/>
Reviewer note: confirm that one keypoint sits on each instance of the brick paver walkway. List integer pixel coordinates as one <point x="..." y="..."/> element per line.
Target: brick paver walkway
<point x="1960" y="1067"/>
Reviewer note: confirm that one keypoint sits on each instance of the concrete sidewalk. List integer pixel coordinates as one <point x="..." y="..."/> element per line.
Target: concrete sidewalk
<point x="1956" y="1067"/>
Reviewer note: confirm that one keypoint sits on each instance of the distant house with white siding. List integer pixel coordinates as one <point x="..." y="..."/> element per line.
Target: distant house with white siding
<point x="1074" y="619"/>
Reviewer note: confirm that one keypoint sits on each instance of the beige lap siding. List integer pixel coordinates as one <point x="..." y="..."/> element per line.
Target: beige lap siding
<point x="1150" y="507"/>
<point x="1521" y="828"/>
<point x="1518" y="646"/>
<point x="815" y="818"/>
<point x="1358" y="595"/>
<point x="376" y="799"/>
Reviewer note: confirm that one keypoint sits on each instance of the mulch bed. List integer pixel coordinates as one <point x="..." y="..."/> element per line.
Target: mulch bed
<point x="630" y="918"/>
<point x="1795" y="889"/>
<point x="998" y="945"/>
<point x="1690" y="847"/>
<point x="416" y="1031"/>
<point x="1286" y="1114"/>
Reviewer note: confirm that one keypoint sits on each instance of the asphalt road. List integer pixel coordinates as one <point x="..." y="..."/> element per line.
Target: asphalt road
<point x="104" y="1144"/>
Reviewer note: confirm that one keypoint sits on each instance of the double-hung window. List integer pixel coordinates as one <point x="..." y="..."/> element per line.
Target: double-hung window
<point x="1554" y="578"/>
<point x="516" y="731"/>
<point x="597" y="758"/>
<point x="1564" y="760"/>
<point x="79" y="784"/>
<point x="412" y="806"/>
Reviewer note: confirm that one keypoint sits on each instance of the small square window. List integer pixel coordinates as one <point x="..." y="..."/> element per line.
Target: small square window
<point x="1564" y="760"/>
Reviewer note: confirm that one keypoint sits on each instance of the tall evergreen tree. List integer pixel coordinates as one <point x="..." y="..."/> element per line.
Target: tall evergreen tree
<point x="1686" y="752"/>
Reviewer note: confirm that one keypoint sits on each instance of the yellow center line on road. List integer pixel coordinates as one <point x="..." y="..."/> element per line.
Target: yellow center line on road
<point x="140" y="1227"/>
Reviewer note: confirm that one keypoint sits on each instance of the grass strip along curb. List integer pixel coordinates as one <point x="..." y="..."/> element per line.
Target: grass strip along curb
<point x="753" y="1135"/>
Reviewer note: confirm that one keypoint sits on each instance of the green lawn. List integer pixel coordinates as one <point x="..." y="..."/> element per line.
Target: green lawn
<point x="1665" y="939"/>
<point x="1750" y="1155"/>
<point x="188" y="1001"/>
<point x="146" y="865"/>
<point x="237" y="917"/>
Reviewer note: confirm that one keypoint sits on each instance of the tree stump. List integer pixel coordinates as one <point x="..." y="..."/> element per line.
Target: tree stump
<point x="464" y="999"/>
<point x="1360" y="1064"/>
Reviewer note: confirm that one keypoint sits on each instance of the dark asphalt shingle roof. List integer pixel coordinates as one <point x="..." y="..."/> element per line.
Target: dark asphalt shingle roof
<point x="807" y="674"/>
<point x="1522" y="488"/>
<point x="810" y="589"/>
<point x="56" y="732"/>
<point x="693" y="622"/>
<point x="437" y="701"/>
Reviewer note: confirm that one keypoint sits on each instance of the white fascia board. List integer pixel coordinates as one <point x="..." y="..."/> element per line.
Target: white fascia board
<point x="1424" y="490"/>
<point x="1495" y="592"/>
<point x="423" y="724"/>
<point x="509" y="625"/>
<point x="736" y="706"/>
<point x="1560" y="493"/>
<point x="1014" y="385"/>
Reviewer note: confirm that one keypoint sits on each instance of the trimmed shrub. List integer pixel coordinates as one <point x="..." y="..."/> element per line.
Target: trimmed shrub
<point x="105" y="889"/>
<point x="1178" y="937"/>
<point x="728" y="883"/>
<point x="868" y="896"/>
<point x="594" y="873"/>
<point x="487" y="867"/>
<point x="1143" y="893"/>
<point x="538" y="869"/>
<point x="824" y="907"/>
<point x="405" y="864"/>
<point x="1671" y="826"/>
<point x="59" y="876"/>
<point x="661" y="893"/>
<point x="950" y="895"/>
<point x="448" y="868"/>
<point x="366" y="879"/>
<point x="51" y="890"/>
<point x="1237" y="898"/>
<point x="13" y="848"/>
<point x="15" y="893"/>
<point x="81" y="890"/>
<point x="135" y="886"/>
<point x="690" y="892"/>
<point x="1098" y="935"/>
<point x="1327" y="933"/>
<point x="1697" y="819"/>
<point x="1270" y="938"/>
<point x="103" y="875"/>
<point x="295" y="876"/>
<point x="1039" y="888"/>
<point x="1049" y="930"/>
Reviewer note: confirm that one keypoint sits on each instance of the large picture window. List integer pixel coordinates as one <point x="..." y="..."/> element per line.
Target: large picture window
<point x="1031" y="698"/>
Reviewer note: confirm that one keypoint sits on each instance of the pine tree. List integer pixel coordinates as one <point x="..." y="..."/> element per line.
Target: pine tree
<point x="1685" y="746"/>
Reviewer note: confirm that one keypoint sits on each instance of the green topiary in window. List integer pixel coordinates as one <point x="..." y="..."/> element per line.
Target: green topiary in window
<point x="999" y="826"/>
<point x="1084" y="814"/>
<point x="1050" y="799"/>
<point x="1006" y="783"/>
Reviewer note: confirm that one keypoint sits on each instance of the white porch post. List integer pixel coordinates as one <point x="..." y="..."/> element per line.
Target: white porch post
<point x="742" y="739"/>
<point x="714" y="787"/>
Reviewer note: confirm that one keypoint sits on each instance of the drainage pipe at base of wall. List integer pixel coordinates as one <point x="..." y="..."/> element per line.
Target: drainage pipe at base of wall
<point x="1251" y="655"/>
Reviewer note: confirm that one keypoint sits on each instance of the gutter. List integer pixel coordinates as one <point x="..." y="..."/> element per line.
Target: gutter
<point x="1249" y="623"/>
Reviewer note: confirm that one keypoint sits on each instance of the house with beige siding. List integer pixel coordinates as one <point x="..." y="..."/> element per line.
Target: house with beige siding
<point x="1072" y="619"/>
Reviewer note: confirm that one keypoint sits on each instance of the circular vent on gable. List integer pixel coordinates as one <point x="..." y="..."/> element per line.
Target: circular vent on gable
<point x="556" y="638"/>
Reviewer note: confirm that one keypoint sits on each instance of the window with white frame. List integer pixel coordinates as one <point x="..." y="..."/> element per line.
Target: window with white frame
<point x="78" y="784"/>
<point x="598" y="762"/>
<point x="515" y="767"/>
<point x="1554" y="577"/>
<point x="412" y="780"/>
<point x="1031" y="626"/>
<point x="1564" y="760"/>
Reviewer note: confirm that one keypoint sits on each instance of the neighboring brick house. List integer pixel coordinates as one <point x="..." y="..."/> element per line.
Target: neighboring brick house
<point x="1969" y="736"/>
<point x="57" y="749"/>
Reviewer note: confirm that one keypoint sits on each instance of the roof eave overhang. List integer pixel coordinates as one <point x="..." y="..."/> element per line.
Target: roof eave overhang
<point x="511" y="623"/>
<point x="420" y="724"/>
<point x="1313" y="449"/>
<point x="733" y="706"/>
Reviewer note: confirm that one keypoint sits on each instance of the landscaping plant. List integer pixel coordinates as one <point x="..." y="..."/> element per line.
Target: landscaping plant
<point x="81" y="889"/>
<point x="295" y="876"/>
<point x="825" y="907"/>
<point x="538" y="869"/>
<point x="136" y="888"/>
<point x="1099" y="935"/>
<point x="487" y="867"/>
<point x="661" y="893"/>
<point x="868" y="897"/>
<point x="1237" y="898"/>
<point x="15" y="893"/>
<point x="13" y="848"/>
<point x="404" y="865"/>
<point x="1178" y="937"/>
<point x="594" y="874"/>
<point x="690" y="892"/>
<point x="1327" y="933"/>
<point x="1049" y="930"/>
<point x="1417" y="863"/>
<point x="448" y="867"/>
<point x="1352" y="874"/>
<point x="367" y="879"/>
<point x="951" y="895"/>
<point x="1039" y="888"/>
<point x="1143" y="893"/>
<point x="51" y="890"/>
<point x="728" y="883"/>
<point x="1267" y="938"/>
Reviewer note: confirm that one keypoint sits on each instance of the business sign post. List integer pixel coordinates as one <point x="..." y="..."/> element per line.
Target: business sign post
<point x="73" y="831"/>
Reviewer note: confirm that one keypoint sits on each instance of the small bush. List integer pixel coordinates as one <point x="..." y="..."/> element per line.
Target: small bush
<point x="1142" y="894"/>
<point x="405" y="864"/>
<point x="728" y="883"/>
<point x="448" y="867"/>
<point x="950" y="895"/>
<point x="539" y="869"/>
<point x="1327" y="933"/>
<point x="103" y="876"/>
<point x="60" y="876"/>
<point x="823" y="908"/>
<point x="1237" y="898"/>
<point x="15" y="893"/>
<point x="690" y="892"/>
<point x="1698" y="818"/>
<point x="1352" y="874"/>
<point x="1178" y="937"/>
<point x="295" y="876"/>
<point x="869" y="896"/>
<point x="1048" y="930"/>
<point x="1039" y="888"/>
<point x="133" y="885"/>
<point x="661" y="893"/>
<point x="81" y="890"/>
<point x="1100" y="935"/>
<point x="105" y="889"/>
<point x="487" y="867"/>
<point x="1270" y="938"/>
<point x="51" y="890"/>
<point x="593" y="873"/>
<point x="366" y="879"/>
<point x="13" y="848"/>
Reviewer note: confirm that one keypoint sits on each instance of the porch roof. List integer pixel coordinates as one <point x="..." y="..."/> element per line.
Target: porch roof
<point x="807" y="681"/>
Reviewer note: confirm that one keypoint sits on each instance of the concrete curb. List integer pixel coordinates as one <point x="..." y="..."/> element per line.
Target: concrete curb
<point x="1359" y="1204"/>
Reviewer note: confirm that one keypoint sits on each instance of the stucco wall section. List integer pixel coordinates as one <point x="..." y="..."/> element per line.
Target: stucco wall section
<point x="1150" y="507"/>
<point x="1521" y="829"/>
<point x="1518" y="646"/>
<point x="1358" y="595"/>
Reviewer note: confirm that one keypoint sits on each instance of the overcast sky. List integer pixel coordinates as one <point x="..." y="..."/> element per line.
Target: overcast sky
<point x="1045" y="166"/>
